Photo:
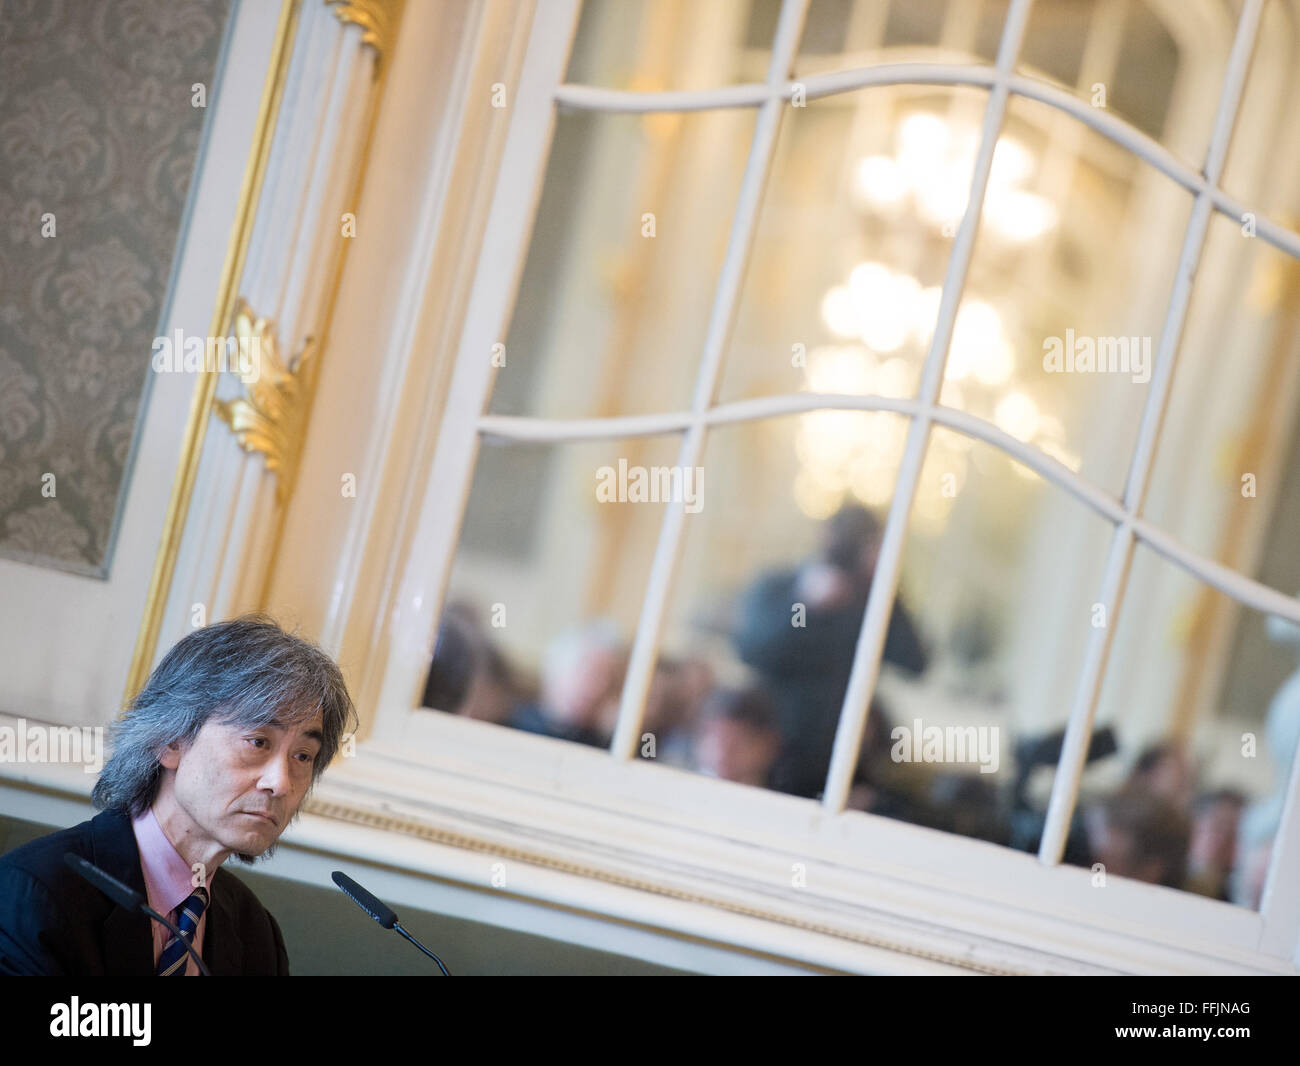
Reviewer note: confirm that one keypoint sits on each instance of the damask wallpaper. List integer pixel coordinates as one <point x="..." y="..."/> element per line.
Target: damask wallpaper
<point x="99" y="129"/>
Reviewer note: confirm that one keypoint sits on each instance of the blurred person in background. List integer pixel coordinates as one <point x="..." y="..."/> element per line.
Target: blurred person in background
<point x="1166" y="770"/>
<point x="469" y="675"/>
<point x="1139" y="834"/>
<point x="881" y="785"/>
<point x="968" y="805"/>
<point x="1215" y="817"/>
<point x="737" y="739"/>
<point x="678" y="689"/>
<point x="581" y="680"/>
<point x="1255" y="835"/>
<point x="798" y="629"/>
<point x="1260" y="820"/>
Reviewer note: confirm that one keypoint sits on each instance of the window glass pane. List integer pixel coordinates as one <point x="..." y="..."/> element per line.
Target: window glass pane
<point x="1157" y="66"/>
<point x="618" y="285"/>
<point x="1227" y="472"/>
<point x="1203" y="697"/>
<point x="1002" y="569"/>
<point x="547" y="583"/>
<point x="843" y="283"/>
<point x="661" y="45"/>
<point x="1265" y="151"/>
<point x="842" y="34"/>
<point x="765" y="610"/>
<point x="1060" y="319"/>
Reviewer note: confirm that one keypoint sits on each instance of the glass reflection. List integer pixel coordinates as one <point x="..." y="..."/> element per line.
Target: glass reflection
<point x="547" y="583"/>
<point x="1202" y="697"/>
<point x="672" y="45"/>
<point x="629" y="238"/>
<point x="1077" y="251"/>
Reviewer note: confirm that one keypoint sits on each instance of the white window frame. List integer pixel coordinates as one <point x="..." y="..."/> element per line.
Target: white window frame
<point x="875" y="888"/>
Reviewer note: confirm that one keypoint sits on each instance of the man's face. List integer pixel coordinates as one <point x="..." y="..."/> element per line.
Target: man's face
<point x="735" y="752"/>
<point x="579" y="699"/>
<point x="1214" y="836"/>
<point x="241" y="786"/>
<point x="1123" y="856"/>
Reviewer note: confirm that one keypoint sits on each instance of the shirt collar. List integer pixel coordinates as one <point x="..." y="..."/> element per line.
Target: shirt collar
<point x="167" y="877"/>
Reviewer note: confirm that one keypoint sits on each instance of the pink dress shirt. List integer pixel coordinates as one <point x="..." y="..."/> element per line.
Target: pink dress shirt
<point x="167" y="882"/>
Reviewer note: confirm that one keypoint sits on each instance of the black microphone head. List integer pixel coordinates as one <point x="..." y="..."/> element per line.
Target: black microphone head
<point x="372" y="905"/>
<point x="122" y="895"/>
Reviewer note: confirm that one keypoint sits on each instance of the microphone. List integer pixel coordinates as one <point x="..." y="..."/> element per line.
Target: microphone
<point x="126" y="897"/>
<point x="380" y="912"/>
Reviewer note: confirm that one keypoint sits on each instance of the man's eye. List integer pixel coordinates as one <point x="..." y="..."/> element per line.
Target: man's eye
<point x="257" y="741"/>
<point x="306" y="756"/>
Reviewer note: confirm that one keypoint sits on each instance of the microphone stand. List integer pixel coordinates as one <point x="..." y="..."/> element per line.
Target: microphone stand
<point x="129" y="899"/>
<point x="398" y="927"/>
<point x="380" y="912"/>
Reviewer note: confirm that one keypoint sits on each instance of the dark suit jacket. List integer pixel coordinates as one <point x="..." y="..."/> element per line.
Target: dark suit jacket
<point x="805" y="669"/>
<point x="52" y="922"/>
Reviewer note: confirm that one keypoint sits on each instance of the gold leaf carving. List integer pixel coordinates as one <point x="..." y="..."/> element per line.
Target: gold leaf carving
<point x="377" y="19"/>
<point x="271" y="417"/>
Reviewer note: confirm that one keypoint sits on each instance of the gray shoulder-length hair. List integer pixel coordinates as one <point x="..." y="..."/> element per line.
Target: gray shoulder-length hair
<point x="248" y="672"/>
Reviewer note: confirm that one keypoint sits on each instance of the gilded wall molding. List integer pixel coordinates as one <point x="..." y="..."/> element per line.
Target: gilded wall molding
<point x="271" y="419"/>
<point x="377" y="18"/>
<point x="178" y="505"/>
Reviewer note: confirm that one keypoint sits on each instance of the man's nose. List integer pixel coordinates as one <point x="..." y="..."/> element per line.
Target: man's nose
<point x="276" y="775"/>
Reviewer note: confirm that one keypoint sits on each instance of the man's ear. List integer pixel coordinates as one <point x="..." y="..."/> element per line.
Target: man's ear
<point x="170" y="757"/>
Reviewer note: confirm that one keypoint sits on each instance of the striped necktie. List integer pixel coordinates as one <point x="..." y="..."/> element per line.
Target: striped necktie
<point x="171" y="963"/>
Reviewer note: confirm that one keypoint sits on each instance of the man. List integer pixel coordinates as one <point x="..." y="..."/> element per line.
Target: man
<point x="1212" y="852"/>
<point x="213" y="758"/>
<point x="582" y="676"/>
<point x="738" y="738"/>
<point x="803" y="659"/>
<point x="1140" y="834"/>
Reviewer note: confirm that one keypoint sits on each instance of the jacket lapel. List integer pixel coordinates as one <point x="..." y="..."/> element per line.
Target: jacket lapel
<point x="128" y="938"/>
<point x="222" y="950"/>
